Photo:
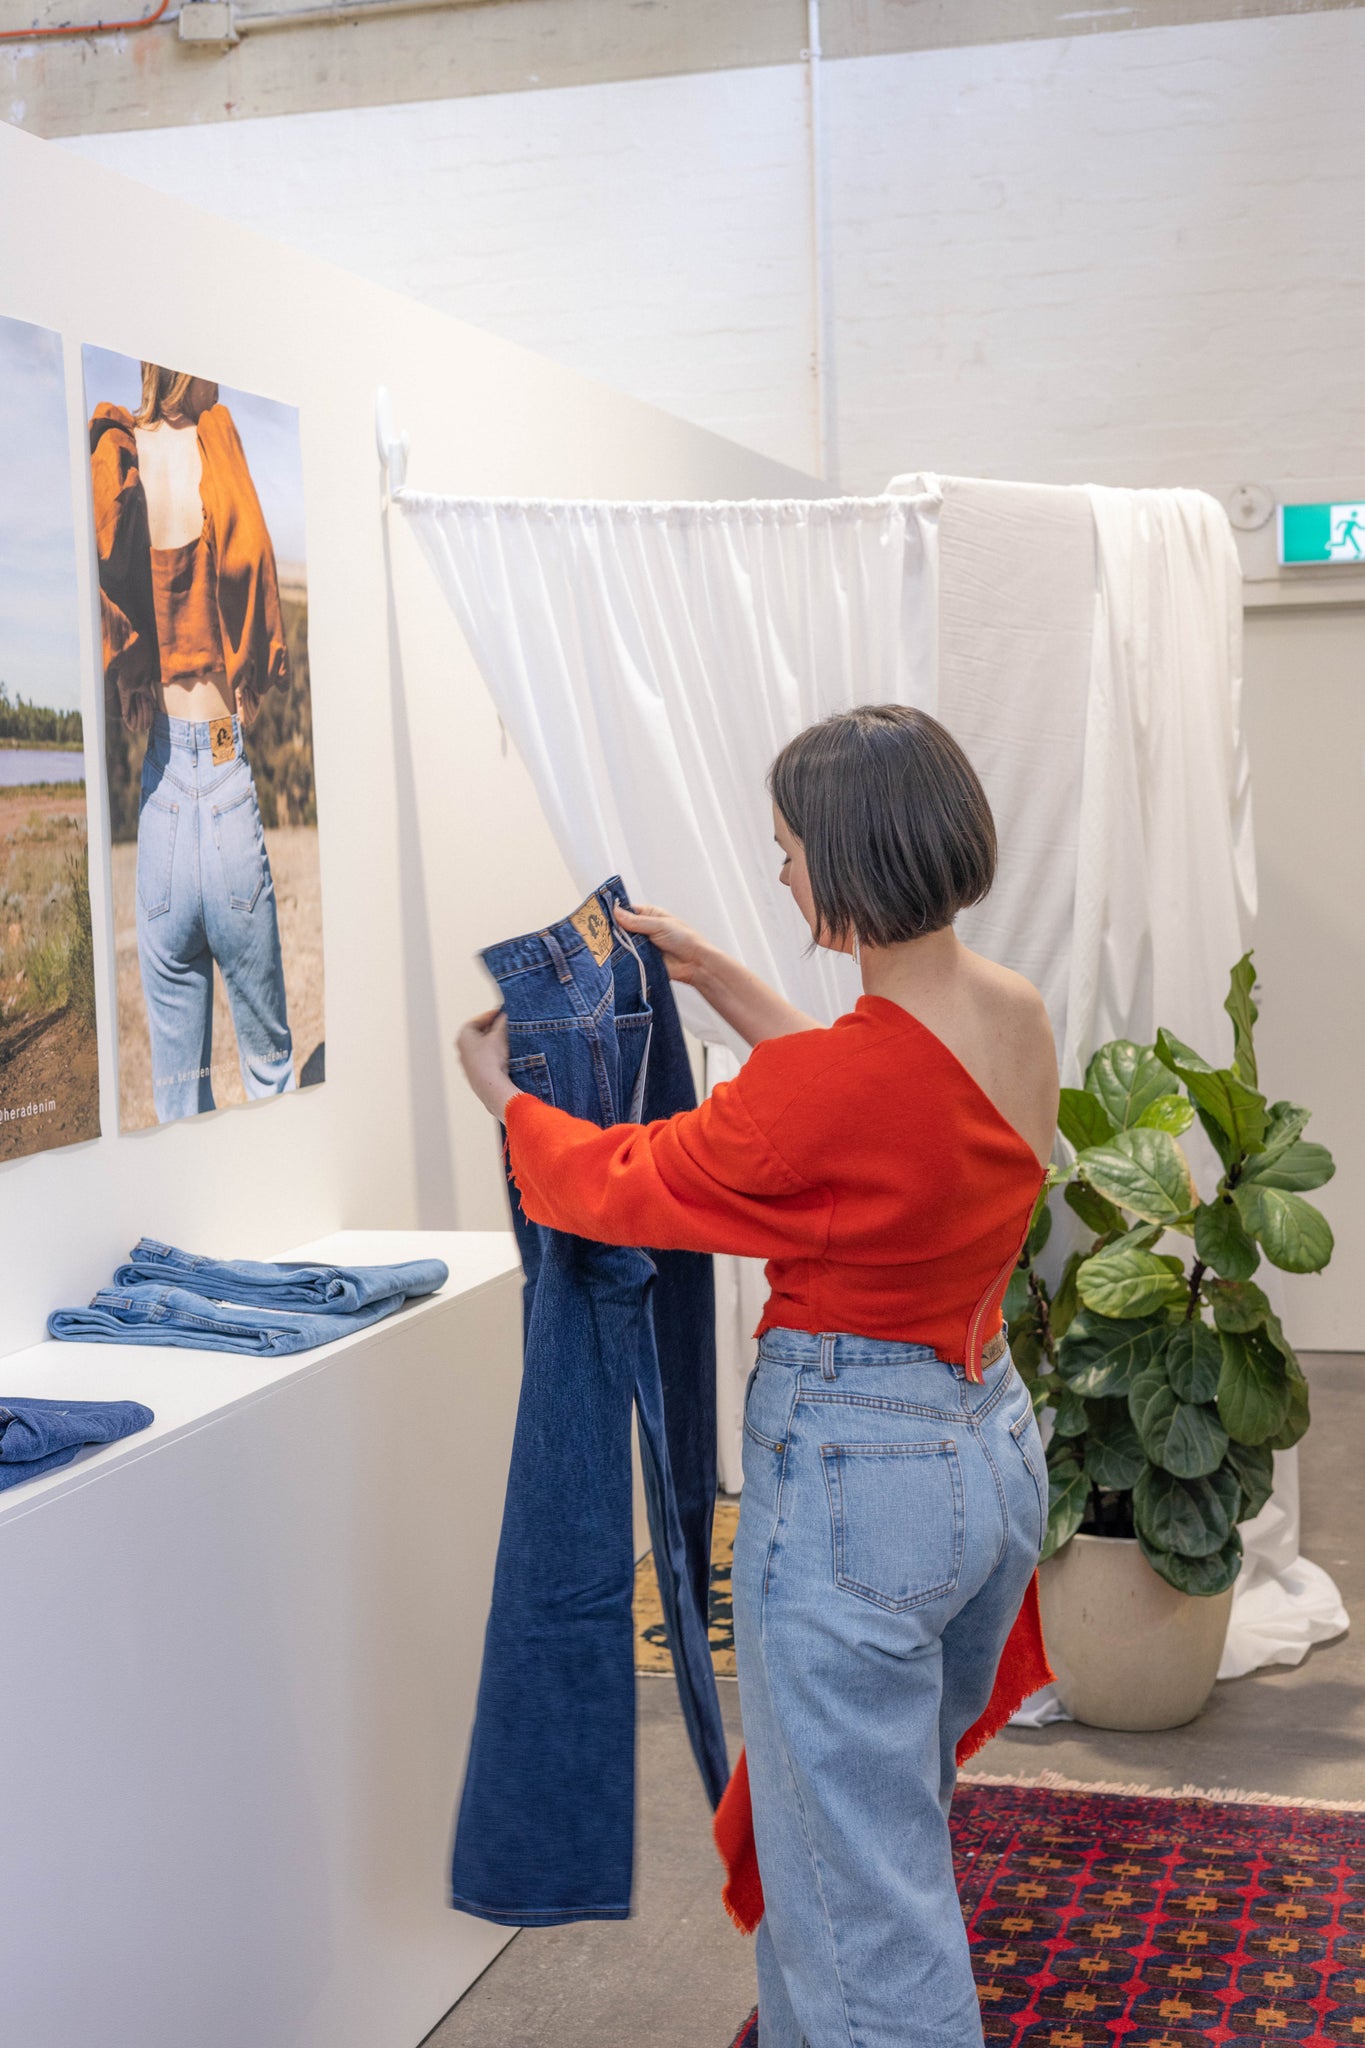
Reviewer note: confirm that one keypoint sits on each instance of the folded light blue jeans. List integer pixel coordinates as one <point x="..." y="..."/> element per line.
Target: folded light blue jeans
<point x="145" y="1313"/>
<point x="280" y="1283"/>
<point x="891" y="1520"/>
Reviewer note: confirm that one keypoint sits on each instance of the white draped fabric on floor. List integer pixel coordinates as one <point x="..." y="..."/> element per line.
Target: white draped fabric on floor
<point x="1084" y="645"/>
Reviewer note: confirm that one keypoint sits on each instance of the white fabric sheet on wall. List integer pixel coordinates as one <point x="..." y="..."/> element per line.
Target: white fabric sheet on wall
<point x="649" y="661"/>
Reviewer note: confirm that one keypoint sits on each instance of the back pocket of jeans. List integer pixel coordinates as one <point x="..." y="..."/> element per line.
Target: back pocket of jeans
<point x="531" y="1071"/>
<point x="155" y="854"/>
<point x="898" y="1520"/>
<point x="240" y="841"/>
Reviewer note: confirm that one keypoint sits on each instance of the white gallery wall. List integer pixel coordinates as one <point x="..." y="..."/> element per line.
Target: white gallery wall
<point x="431" y="841"/>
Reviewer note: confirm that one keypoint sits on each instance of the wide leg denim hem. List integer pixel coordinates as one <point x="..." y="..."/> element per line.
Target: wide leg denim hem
<point x="888" y="1529"/>
<point x="537" y="1916"/>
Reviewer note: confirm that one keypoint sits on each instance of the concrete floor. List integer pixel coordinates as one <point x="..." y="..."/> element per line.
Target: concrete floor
<point x="677" y="1975"/>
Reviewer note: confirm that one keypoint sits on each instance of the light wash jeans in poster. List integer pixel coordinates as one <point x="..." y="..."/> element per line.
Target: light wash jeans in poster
<point x="892" y="1517"/>
<point x="205" y="893"/>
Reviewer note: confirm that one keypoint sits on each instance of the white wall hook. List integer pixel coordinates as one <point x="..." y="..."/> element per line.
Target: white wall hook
<point x="393" y="447"/>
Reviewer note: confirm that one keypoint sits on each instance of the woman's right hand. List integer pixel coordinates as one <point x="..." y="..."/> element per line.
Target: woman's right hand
<point x="139" y="711"/>
<point x="684" y="950"/>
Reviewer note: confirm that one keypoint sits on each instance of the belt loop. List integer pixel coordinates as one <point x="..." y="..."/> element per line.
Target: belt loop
<point x="827" y="1344"/>
<point x="556" y="953"/>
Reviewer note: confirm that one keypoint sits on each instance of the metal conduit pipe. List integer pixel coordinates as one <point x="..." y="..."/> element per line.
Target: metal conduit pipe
<point x="245" y="24"/>
<point x="84" y="28"/>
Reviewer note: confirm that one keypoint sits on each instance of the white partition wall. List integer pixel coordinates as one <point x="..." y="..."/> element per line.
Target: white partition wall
<point x="240" y="1660"/>
<point x="432" y="843"/>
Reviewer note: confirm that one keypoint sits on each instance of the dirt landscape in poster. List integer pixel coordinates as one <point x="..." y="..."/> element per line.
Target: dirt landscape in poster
<point x="197" y="494"/>
<point x="49" y="1064"/>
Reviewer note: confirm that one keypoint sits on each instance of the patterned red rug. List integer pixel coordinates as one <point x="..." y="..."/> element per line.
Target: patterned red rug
<point x="1102" y="1918"/>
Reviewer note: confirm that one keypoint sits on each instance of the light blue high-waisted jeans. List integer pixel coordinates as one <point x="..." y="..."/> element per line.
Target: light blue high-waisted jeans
<point x="205" y="893"/>
<point x="892" y="1518"/>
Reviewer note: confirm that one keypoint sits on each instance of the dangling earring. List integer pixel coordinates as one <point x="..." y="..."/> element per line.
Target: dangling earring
<point x="857" y="950"/>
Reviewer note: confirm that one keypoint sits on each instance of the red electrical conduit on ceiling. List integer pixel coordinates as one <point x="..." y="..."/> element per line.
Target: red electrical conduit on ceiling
<point x="82" y="28"/>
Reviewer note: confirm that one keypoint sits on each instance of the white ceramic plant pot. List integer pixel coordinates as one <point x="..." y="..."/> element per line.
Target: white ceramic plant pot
<point x="1129" y="1651"/>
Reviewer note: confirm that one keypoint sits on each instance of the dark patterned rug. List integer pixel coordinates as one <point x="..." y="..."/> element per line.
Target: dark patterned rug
<point x="1110" y="1918"/>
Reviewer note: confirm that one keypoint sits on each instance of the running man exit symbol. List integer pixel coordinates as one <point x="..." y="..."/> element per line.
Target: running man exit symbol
<point x="1322" y="533"/>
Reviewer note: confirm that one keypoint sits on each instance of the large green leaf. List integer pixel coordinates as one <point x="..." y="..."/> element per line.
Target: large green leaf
<point x="1148" y="1387"/>
<point x="1295" y="1166"/>
<point x="1114" y="1457"/>
<point x="1065" y="1300"/>
<point x="1127" y="1282"/>
<point x="1070" y="1416"/>
<point x="1068" y="1492"/>
<point x="1218" y="1138"/>
<point x="1171" y="1113"/>
<point x="1098" y="1356"/>
<point x="1144" y="1171"/>
<point x="1184" y="1437"/>
<point x="1126" y="1079"/>
<point x="1297" y="1417"/>
<point x="1193" y="1360"/>
<point x="1189" y="1516"/>
<point x="1040" y="1228"/>
<point x="1221" y="1242"/>
<point x="1238" y="1110"/>
<point x="1292" y="1233"/>
<point x="1253" y="1387"/>
<point x="1202" y="1576"/>
<point x="1237" y="1304"/>
<point x="1095" y="1213"/>
<point x="1082" y="1119"/>
<point x="1288" y="1121"/>
<point x="1018" y="1303"/>
<point x="1243" y="1012"/>
<point x="1255" y="1469"/>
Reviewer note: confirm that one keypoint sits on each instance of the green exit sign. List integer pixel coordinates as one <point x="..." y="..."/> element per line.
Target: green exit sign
<point x="1322" y="533"/>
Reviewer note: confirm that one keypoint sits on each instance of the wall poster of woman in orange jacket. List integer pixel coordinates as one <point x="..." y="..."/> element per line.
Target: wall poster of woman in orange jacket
<point x="208" y="739"/>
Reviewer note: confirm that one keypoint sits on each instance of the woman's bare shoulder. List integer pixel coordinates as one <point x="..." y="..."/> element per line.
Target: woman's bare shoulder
<point x="1014" y="1003"/>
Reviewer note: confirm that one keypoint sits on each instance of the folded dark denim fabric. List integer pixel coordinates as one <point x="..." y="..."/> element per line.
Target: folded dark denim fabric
<point x="37" y="1436"/>
<point x="280" y="1283"/>
<point x="143" y="1313"/>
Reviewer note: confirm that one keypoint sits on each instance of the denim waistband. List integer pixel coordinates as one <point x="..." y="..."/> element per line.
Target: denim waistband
<point x="190" y="735"/>
<point x="517" y="956"/>
<point x="806" y="1347"/>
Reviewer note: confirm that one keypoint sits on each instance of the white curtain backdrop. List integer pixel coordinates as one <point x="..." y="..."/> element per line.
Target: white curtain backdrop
<point x="650" y="659"/>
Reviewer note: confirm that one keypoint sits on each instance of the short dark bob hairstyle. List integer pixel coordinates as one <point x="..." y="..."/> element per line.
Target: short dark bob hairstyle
<point x="897" y="831"/>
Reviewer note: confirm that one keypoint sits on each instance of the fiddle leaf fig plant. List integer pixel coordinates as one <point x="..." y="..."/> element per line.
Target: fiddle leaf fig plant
<point x="1168" y="1378"/>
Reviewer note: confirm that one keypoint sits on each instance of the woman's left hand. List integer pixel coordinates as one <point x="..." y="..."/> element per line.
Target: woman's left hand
<point x="482" y="1046"/>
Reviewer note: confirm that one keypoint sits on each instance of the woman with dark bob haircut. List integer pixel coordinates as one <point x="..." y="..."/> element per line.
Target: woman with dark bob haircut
<point x="886" y="1166"/>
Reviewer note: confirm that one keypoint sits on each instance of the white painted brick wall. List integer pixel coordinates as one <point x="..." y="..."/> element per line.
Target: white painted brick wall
<point x="654" y="234"/>
<point x="1130" y="258"/>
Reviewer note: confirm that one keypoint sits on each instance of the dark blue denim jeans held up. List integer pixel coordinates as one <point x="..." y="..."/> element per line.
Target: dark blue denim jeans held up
<point x="546" y="1824"/>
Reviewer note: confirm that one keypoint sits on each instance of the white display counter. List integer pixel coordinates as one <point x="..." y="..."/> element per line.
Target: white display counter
<point x="238" y="1660"/>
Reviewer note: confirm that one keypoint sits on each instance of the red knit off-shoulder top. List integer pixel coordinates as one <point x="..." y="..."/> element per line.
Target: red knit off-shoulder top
<point x="884" y="1188"/>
